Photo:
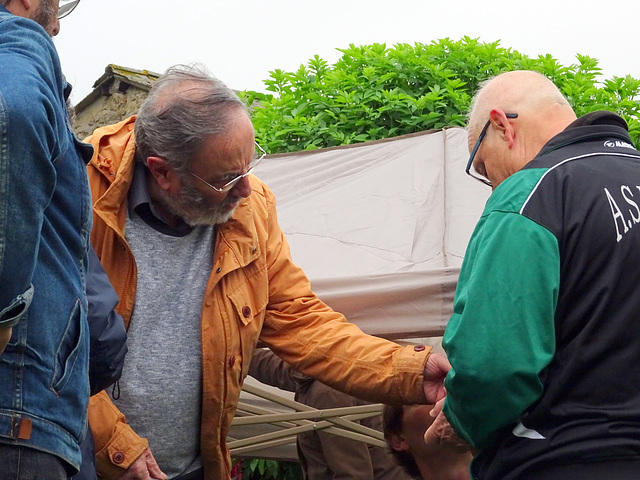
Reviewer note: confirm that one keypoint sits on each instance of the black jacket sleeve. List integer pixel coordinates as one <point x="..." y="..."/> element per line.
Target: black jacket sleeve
<point x="106" y="327"/>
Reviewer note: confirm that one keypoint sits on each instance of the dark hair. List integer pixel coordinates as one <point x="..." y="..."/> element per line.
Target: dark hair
<point x="392" y="424"/>
<point x="5" y="3"/>
<point x="185" y="107"/>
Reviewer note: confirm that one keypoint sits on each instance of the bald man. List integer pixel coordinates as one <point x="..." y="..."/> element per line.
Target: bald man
<point x="544" y="341"/>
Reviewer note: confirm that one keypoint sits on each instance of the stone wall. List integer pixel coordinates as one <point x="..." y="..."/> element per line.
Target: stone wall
<point x="108" y="108"/>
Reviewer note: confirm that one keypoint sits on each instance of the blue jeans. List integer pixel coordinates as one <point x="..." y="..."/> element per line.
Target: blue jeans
<point x="24" y="463"/>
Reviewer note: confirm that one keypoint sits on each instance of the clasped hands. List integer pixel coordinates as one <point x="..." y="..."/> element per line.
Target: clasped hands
<point x="440" y="434"/>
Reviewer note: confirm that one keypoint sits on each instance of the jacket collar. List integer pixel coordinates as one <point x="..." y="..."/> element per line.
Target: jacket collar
<point x="240" y="236"/>
<point x="591" y="126"/>
<point x="114" y="151"/>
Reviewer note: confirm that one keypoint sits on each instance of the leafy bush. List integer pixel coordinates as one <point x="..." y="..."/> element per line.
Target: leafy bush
<point x="260" y="468"/>
<point x="375" y="92"/>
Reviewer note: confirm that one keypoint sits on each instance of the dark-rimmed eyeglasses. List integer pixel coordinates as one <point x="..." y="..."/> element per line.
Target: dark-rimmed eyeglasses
<point x="66" y="7"/>
<point x="483" y="132"/>
<point x="225" y="184"/>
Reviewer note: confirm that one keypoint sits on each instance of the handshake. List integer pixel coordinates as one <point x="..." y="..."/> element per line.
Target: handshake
<point x="440" y="434"/>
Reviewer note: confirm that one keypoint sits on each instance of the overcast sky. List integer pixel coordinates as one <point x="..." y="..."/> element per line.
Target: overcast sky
<point x="241" y="41"/>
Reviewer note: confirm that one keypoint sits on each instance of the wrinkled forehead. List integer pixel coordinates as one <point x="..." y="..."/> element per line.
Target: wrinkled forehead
<point x="231" y="151"/>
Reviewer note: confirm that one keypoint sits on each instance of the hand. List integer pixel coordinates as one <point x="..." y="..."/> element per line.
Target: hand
<point x="5" y="336"/>
<point x="442" y="435"/>
<point x="144" y="468"/>
<point x="435" y="370"/>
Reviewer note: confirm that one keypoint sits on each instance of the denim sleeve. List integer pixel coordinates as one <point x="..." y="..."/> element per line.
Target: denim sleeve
<point x="28" y="148"/>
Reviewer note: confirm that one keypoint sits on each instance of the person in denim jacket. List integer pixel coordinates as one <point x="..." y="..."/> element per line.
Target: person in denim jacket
<point x="45" y="220"/>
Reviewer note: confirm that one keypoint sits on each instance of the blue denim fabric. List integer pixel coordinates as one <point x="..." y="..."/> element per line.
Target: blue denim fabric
<point x="45" y="219"/>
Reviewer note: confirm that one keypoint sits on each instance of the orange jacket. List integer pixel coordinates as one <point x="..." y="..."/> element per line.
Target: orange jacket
<point x="255" y="291"/>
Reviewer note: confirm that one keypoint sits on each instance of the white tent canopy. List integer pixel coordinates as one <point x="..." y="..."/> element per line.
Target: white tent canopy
<point x="380" y="228"/>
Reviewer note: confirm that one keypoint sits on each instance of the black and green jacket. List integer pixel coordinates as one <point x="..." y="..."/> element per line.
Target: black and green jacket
<point x="544" y="341"/>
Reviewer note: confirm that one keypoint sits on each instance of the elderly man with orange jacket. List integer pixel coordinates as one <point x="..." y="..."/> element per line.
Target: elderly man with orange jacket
<point x="192" y="245"/>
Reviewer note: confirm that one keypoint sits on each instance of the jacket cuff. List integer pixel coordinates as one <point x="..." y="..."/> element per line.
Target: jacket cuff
<point x="412" y="360"/>
<point x="117" y="456"/>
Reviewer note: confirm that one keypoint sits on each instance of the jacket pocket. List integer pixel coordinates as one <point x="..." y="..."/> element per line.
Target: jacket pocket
<point x="249" y="304"/>
<point x="251" y="293"/>
<point x="71" y="350"/>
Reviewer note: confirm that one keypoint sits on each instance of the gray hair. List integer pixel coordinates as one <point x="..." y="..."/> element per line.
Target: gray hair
<point x="186" y="106"/>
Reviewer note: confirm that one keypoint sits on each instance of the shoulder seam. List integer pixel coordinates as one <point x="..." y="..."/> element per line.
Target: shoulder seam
<point x="593" y="154"/>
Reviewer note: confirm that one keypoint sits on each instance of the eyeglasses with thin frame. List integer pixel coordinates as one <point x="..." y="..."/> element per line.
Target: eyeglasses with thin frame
<point x="483" y="132"/>
<point x="225" y="187"/>
<point x="66" y="7"/>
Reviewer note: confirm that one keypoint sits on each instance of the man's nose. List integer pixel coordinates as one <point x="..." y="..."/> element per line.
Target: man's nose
<point x="242" y="189"/>
<point x="55" y="27"/>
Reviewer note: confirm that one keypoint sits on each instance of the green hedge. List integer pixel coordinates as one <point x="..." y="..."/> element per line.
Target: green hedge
<point x="375" y="92"/>
<point x="265" y="469"/>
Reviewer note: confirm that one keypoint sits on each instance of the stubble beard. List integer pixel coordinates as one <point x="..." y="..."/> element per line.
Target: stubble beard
<point x="45" y="14"/>
<point x="195" y="209"/>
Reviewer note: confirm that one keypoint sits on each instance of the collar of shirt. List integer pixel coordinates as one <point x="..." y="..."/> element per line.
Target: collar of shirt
<point x="140" y="204"/>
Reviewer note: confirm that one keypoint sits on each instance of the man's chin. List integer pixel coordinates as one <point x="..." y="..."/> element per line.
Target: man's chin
<point x="231" y="207"/>
<point x="227" y="216"/>
<point x="217" y="218"/>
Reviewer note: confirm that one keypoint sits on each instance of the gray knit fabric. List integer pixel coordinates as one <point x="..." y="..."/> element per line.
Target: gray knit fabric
<point x="160" y="388"/>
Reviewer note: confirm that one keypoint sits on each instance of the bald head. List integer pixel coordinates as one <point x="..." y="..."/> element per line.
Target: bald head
<point x="524" y="110"/>
<point x="530" y="94"/>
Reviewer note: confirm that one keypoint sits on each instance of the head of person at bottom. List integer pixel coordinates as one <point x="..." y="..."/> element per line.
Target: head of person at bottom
<point x="512" y="117"/>
<point x="195" y="137"/>
<point x="404" y="428"/>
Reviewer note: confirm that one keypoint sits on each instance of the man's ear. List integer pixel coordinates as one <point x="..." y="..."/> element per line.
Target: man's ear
<point x="397" y="442"/>
<point x="503" y="125"/>
<point x="163" y="173"/>
<point x="20" y="8"/>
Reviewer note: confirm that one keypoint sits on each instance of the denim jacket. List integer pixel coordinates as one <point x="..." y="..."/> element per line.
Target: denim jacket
<point x="45" y="219"/>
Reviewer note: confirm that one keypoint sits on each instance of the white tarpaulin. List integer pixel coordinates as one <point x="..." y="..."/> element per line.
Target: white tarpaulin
<point x="381" y="228"/>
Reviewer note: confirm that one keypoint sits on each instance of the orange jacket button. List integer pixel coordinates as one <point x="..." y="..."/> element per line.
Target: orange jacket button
<point x="118" y="458"/>
<point x="232" y="361"/>
<point x="246" y="311"/>
<point x="419" y="348"/>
